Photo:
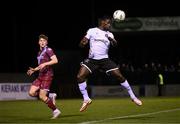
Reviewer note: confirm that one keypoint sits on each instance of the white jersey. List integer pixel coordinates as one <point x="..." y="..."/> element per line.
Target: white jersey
<point x="99" y="43"/>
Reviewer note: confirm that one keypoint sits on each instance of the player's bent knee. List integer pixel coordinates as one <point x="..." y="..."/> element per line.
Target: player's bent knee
<point x="32" y="93"/>
<point x="80" y="78"/>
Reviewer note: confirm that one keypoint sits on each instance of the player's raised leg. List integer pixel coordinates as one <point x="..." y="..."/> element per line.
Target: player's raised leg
<point x="116" y="73"/>
<point x="81" y="79"/>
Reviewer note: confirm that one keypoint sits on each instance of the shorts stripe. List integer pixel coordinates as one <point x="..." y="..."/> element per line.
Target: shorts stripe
<point x="87" y="68"/>
<point x="46" y="90"/>
<point x="111" y="70"/>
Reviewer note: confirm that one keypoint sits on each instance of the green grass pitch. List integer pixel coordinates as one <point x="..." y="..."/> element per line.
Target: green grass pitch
<point x="102" y="110"/>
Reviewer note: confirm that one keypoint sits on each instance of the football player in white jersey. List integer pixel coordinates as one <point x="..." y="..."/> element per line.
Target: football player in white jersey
<point x="100" y="39"/>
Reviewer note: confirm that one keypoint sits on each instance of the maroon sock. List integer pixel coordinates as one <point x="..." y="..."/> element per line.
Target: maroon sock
<point x="50" y="104"/>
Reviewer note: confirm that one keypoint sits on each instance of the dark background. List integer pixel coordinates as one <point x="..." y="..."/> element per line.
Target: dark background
<point x="65" y="22"/>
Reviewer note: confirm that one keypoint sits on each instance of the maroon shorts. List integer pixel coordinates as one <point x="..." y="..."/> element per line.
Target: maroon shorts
<point x="43" y="82"/>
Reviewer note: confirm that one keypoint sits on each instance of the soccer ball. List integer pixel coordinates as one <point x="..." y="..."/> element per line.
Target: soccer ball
<point x="119" y="15"/>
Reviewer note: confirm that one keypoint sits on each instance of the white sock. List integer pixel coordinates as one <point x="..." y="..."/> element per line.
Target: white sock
<point x="126" y="85"/>
<point x="82" y="88"/>
<point x="51" y="94"/>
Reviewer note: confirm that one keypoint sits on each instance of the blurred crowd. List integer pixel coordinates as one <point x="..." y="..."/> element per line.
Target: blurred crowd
<point x="150" y="67"/>
<point x="141" y="75"/>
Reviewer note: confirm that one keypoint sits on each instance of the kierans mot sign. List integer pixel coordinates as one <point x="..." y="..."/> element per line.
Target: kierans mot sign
<point x="146" y="24"/>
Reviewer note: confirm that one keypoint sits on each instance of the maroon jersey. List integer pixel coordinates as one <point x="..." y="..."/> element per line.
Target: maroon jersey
<point x="45" y="55"/>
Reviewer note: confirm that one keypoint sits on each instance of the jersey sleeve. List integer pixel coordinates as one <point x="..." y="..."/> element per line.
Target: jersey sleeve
<point x="88" y="34"/>
<point x="50" y="52"/>
<point x="111" y="35"/>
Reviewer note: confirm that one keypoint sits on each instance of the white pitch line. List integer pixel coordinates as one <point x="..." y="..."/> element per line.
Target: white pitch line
<point x="129" y="116"/>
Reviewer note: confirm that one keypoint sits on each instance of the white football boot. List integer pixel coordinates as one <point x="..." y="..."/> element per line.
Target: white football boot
<point x="85" y="104"/>
<point x="56" y="114"/>
<point x="137" y="101"/>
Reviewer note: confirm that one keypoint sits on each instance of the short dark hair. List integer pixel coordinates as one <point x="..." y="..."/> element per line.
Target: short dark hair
<point x="104" y="17"/>
<point x="43" y="36"/>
